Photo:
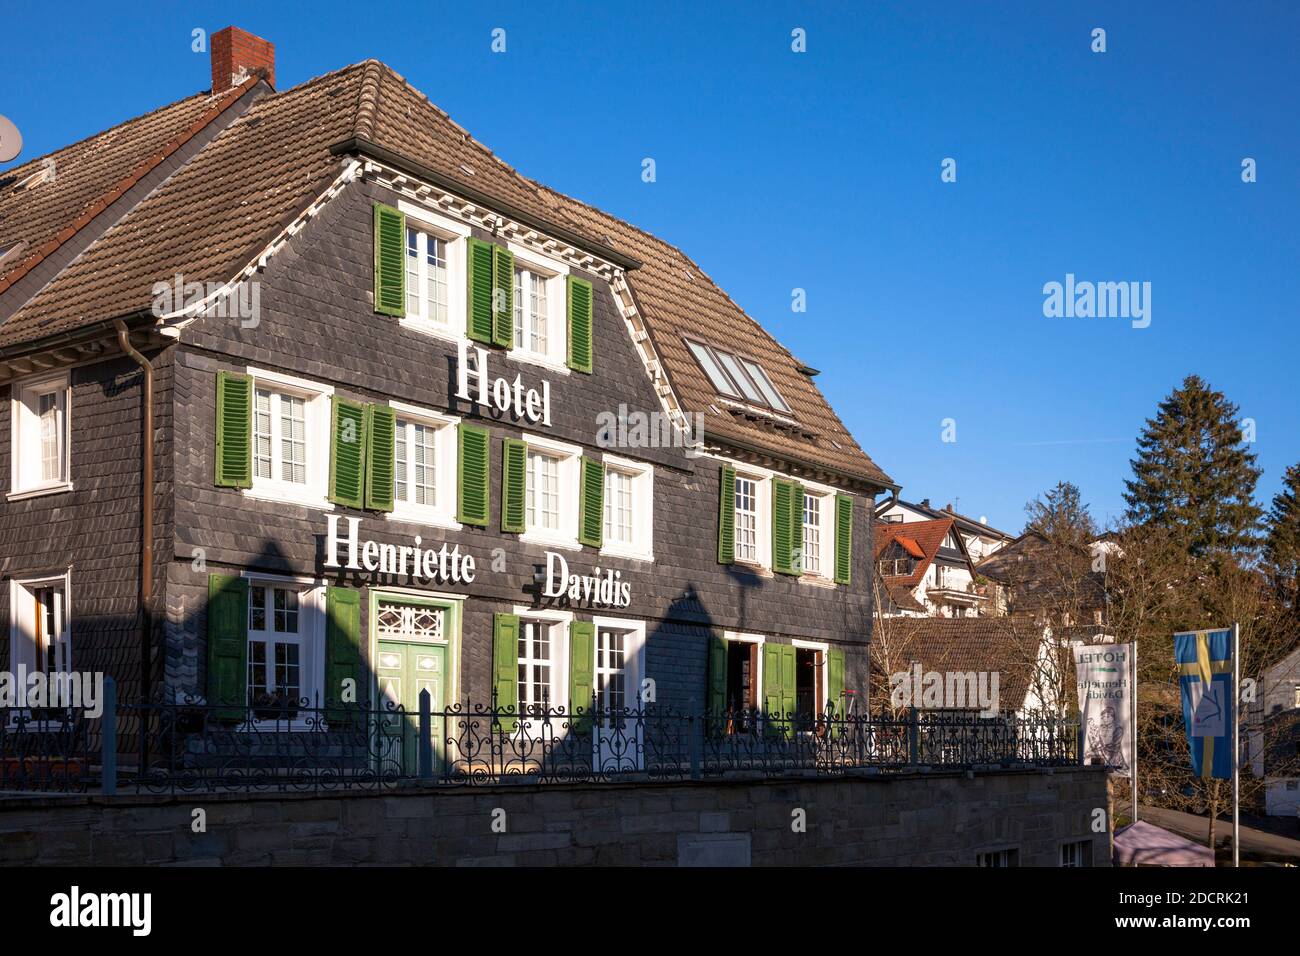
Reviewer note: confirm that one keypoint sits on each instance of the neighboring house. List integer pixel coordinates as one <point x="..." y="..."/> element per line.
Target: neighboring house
<point x="1273" y="723"/>
<point x="980" y="538"/>
<point x="924" y="569"/>
<point x="1026" y="674"/>
<point x="417" y="421"/>
<point x="1035" y="581"/>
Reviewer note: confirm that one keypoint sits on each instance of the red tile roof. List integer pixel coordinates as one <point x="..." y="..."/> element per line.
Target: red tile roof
<point x="925" y="536"/>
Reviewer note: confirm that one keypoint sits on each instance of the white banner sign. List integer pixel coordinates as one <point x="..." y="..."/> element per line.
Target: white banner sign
<point x="1105" y="674"/>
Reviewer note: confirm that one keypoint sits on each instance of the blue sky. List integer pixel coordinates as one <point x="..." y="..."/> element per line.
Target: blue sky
<point x="821" y="171"/>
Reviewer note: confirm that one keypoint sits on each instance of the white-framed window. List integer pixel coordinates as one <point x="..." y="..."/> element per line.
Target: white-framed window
<point x="752" y="526"/>
<point x="818" y="534"/>
<point x="542" y="659"/>
<point x="619" y="666"/>
<point x="551" y="492"/>
<point x="540" y="309"/>
<point x="285" y="637"/>
<point x="40" y="412"/>
<point x="40" y="631"/>
<point x="428" y="283"/>
<point x="434" y="260"/>
<point x="290" y="439"/>
<point x="629" y="509"/>
<point x="424" y="467"/>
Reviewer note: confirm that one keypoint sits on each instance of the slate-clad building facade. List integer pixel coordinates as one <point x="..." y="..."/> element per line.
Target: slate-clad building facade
<point x="418" y="422"/>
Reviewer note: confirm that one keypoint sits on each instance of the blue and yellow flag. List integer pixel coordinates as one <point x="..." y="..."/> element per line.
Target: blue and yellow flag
<point x="1204" y="661"/>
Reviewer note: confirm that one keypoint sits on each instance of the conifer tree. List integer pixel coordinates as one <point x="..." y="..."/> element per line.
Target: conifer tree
<point x="1282" y="546"/>
<point x="1194" y="473"/>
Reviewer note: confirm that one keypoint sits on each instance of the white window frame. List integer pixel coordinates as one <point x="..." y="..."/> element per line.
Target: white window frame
<point x="826" y="535"/>
<point x="555" y="358"/>
<point x="22" y="627"/>
<point x="311" y="632"/>
<point x="443" y="514"/>
<point x="633" y="657"/>
<point x="642" y="475"/>
<point x="570" y="457"/>
<point x="762" y="519"/>
<point x="312" y="494"/>
<point x="25" y="479"/>
<point x="454" y="234"/>
<point x="559" y="683"/>
<point x="1076" y="849"/>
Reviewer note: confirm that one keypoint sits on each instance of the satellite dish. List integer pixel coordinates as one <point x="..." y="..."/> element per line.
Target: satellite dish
<point x="11" y="141"/>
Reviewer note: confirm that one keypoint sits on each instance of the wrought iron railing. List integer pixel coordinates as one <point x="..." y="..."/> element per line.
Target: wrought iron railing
<point x="191" y="746"/>
<point x="45" y="749"/>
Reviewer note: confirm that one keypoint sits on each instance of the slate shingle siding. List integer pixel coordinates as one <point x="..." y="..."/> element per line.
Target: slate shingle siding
<point x="94" y="529"/>
<point x="317" y="322"/>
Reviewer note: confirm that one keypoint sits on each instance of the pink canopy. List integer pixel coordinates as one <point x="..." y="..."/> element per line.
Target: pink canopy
<point x="1144" y="844"/>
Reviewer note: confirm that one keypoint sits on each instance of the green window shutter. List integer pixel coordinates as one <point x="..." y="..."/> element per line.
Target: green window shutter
<point x="228" y="644"/>
<point x="343" y="643"/>
<point x="234" y="430"/>
<point x="473" y="494"/>
<point x="582" y="681"/>
<point x="580" y="344"/>
<point x="835" y="683"/>
<point x="390" y="261"/>
<point x="505" y="667"/>
<point x="514" y="483"/>
<point x="772" y="696"/>
<point x="591" y="504"/>
<point x="717" y="705"/>
<point x="796" y="528"/>
<point x="347" y="451"/>
<point x="381" y="429"/>
<point x="727" y="515"/>
<point x="843" y="539"/>
<point x="503" y="294"/>
<point x="478" y="259"/>
<point x="782" y="533"/>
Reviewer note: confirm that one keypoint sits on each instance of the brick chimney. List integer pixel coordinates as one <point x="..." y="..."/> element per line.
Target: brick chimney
<point x="236" y="55"/>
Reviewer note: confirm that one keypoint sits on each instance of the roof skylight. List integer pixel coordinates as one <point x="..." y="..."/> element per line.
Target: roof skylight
<point x="738" y="377"/>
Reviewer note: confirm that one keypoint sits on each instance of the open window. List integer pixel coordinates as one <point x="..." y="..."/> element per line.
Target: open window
<point x="40" y="638"/>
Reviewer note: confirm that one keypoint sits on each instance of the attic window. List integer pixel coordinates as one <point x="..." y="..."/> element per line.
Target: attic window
<point x="469" y="170"/>
<point x="737" y="377"/>
<point x="11" y="252"/>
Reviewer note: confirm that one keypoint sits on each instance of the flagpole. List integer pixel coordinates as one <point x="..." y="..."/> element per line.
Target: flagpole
<point x="1133" y="719"/>
<point x="1236" y="745"/>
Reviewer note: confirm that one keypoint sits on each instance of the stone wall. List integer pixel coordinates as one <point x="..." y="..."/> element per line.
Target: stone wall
<point x="914" y="820"/>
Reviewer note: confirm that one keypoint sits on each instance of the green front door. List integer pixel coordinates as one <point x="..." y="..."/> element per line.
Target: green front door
<point x="404" y="669"/>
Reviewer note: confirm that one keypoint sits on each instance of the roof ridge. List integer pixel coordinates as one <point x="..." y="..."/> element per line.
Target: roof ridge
<point x="368" y="99"/>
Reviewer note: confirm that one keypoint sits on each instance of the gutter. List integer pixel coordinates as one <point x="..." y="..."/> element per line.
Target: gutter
<point x="146" y="508"/>
<point x="359" y="144"/>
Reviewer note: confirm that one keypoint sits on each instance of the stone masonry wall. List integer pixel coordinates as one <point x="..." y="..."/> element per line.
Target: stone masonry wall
<point x="916" y="820"/>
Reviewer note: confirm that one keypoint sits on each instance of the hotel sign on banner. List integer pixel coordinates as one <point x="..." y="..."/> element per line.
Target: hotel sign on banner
<point x="449" y="564"/>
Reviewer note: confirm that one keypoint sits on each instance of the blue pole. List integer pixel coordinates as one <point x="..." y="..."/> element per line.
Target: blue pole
<point x="108" y="743"/>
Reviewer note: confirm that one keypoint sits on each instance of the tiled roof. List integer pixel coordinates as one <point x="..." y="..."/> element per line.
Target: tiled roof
<point x="962" y="644"/>
<point x="85" y="177"/>
<point x="1041" y="578"/>
<point x="221" y="208"/>
<point x="927" y="535"/>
